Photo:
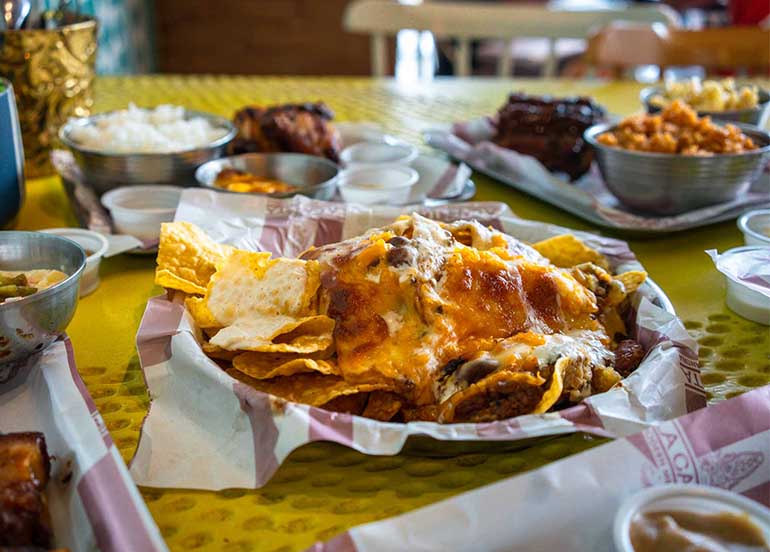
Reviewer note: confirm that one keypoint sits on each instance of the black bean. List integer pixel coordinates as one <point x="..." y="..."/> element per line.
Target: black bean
<point x="398" y="256"/>
<point x="398" y="241"/>
<point x="474" y="370"/>
<point x="451" y="366"/>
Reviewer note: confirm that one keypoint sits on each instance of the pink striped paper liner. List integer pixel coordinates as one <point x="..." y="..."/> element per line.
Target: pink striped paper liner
<point x="299" y="223"/>
<point x="679" y="451"/>
<point x="470" y="142"/>
<point x="111" y="509"/>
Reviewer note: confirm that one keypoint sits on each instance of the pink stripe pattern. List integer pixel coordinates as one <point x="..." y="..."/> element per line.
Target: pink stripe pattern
<point x="116" y="522"/>
<point x="109" y="506"/>
<point x="510" y="427"/>
<point x="81" y="387"/>
<point x="256" y="405"/>
<point x="687" y="449"/>
<point x="330" y="426"/>
<point x="159" y="324"/>
<point x="718" y="429"/>
<point x="584" y="417"/>
<point x="695" y="394"/>
<point x="340" y="543"/>
<point x="690" y="450"/>
<point x="760" y="493"/>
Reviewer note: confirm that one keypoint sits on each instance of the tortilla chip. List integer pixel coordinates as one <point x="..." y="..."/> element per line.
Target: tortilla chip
<point x="277" y="334"/>
<point x="632" y="280"/>
<point x="502" y="394"/>
<point x="349" y="404"/>
<point x="312" y="389"/>
<point x="604" y="378"/>
<point x="253" y="282"/>
<point x="382" y="406"/>
<point x="217" y="352"/>
<point x="197" y="308"/>
<point x="566" y="251"/>
<point x="613" y="323"/>
<point x="554" y="391"/>
<point x="427" y="413"/>
<point x="266" y="366"/>
<point x="264" y="304"/>
<point x="187" y="257"/>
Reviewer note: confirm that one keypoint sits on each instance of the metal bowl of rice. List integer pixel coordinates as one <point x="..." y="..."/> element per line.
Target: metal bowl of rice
<point x="136" y="146"/>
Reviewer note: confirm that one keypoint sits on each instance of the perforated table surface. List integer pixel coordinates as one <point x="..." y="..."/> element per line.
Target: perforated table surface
<point x="323" y="489"/>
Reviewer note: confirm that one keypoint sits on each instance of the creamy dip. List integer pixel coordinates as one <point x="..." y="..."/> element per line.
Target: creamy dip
<point x="679" y="531"/>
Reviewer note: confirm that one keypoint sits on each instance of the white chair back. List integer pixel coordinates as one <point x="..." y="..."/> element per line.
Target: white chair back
<point x="467" y="21"/>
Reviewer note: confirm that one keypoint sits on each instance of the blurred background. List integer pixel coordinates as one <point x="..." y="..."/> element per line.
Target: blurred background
<point x="419" y="40"/>
<point x="126" y="32"/>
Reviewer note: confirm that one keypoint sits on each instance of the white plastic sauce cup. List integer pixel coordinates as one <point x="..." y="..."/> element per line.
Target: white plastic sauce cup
<point x="692" y="498"/>
<point x="377" y="154"/>
<point x="384" y="185"/>
<point x="140" y="210"/>
<point x="95" y="245"/>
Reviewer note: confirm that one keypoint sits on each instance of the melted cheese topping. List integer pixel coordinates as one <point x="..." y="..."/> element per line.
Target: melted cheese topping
<point x="412" y="297"/>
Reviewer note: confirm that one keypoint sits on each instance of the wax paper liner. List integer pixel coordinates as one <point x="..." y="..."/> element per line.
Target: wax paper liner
<point x="93" y="501"/>
<point x="588" y="197"/>
<point x="440" y="181"/>
<point x="205" y="430"/>
<point x="89" y="210"/>
<point x="749" y="266"/>
<point x="569" y="505"/>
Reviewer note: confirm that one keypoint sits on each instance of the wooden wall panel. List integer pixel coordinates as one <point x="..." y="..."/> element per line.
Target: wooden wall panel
<point x="267" y="37"/>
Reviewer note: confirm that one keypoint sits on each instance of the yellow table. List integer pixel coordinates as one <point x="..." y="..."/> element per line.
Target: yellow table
<point x="323" y="489"/>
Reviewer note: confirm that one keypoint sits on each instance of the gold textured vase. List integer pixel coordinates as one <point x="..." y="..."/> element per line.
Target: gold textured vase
<point x="52" y="72"/>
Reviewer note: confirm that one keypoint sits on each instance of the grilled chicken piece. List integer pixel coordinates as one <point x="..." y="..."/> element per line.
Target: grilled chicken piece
<point x="24" y="470"/>
<point x="297" y="128"/>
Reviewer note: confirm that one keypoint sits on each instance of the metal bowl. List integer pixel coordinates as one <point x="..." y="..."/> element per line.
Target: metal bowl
<point x="314" y="177"/>
<point x="756" y="116"/>
<point x="669" y="184"/>
<point x="105" y="171"/>
<point x="30" y="324"/>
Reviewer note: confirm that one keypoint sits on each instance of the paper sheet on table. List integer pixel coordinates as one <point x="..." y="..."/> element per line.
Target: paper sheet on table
<point x="206" y="430"/>
<point x="569" y="505"/>
<point x="93" y="501"/>
<point x="588" y="197"/>
<point x="750" y="267"/>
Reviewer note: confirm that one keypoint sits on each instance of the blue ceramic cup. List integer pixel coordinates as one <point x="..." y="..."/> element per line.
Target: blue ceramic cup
<point x="11" y="157"/>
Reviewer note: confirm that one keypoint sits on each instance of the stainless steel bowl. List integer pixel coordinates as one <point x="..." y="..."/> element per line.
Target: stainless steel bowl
<point x="314" y="177"/>
<point x="669" y="184"/>
<point x="756" y="116"/>
<point x="30" y="324"/>
<point x="105" y="171"/>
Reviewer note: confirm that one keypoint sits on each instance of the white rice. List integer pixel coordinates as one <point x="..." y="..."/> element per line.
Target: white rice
<point x="135" y="130"/>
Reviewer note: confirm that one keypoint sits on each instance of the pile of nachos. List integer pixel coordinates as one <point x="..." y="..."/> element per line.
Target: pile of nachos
<point x="417" y="320"/>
